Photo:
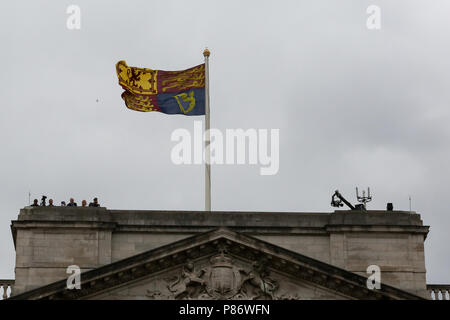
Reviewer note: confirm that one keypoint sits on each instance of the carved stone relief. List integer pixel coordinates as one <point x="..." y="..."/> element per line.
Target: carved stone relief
<point x="221" y="278"/>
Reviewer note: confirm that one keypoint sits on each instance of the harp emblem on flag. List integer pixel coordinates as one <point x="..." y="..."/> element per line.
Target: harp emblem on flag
<point x="185" y="98"/>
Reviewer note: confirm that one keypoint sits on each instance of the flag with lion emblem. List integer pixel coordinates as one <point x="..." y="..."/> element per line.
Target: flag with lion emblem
<point x="170" y="92"/>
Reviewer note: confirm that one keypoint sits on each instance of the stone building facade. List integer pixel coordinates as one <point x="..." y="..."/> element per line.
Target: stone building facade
<point x="125" y="254"/>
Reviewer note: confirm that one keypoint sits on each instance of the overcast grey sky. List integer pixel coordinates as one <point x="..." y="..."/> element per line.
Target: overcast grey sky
<point x="355" y="107"/>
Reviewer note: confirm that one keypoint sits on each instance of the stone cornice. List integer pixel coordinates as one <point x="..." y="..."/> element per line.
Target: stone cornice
<point x="377" y="228"/>
<point x="192" y="222"/>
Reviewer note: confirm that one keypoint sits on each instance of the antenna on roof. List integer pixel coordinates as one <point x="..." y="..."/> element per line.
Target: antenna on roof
<point x="29" y="197"/>
<point x="409" y="204"/>
<point x="364" y="199"/>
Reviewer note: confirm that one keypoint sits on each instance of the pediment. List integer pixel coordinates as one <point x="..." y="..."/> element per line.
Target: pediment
<point x="220" y="276"/>
<point x="220" y="264"/>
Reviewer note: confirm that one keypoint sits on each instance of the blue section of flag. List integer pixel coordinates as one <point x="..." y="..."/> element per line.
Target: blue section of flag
<point x="190" y="102"/>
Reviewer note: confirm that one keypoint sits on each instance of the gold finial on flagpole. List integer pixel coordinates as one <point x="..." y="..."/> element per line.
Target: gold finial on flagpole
<point x="206" y="52"/>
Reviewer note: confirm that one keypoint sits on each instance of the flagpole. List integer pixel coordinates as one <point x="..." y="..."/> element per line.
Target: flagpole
<point x="206" y="54"/>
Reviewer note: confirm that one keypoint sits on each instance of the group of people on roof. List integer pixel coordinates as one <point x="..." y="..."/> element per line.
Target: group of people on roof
<point x="71" y="203"/>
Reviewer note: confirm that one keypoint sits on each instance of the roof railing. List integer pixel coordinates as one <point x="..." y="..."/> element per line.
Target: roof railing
<point x="6" y="288"/>
<point x="439" y="291"/>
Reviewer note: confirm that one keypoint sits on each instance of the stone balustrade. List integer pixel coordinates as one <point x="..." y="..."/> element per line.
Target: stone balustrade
<point x="439" y="291"/>
<point x="6" y="288"/>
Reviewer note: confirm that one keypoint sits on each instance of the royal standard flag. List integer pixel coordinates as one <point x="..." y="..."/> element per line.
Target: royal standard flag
<point x="171" y="92"/>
